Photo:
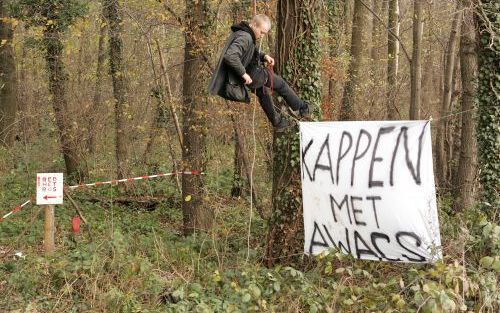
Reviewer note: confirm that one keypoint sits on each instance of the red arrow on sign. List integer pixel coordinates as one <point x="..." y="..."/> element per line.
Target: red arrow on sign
<point x="49" y="197"/>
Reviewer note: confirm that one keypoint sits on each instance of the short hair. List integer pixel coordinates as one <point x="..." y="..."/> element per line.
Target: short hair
<point x="261" y="19"/>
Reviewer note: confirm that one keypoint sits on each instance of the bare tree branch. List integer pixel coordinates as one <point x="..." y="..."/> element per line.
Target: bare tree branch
<point x="189" y="35"/>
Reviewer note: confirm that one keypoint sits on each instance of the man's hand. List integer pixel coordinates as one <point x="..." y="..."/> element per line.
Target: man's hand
<point x="269" y="59"/>
<point x="247" y="78"/>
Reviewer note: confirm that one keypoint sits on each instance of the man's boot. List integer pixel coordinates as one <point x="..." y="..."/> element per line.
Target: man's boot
<point x="282" y="124"/>
<point x="305" y="111"/>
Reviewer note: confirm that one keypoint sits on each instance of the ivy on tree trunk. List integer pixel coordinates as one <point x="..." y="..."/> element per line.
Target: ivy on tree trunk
<point x="488" y="129"/>
<point x="297" y="61"/>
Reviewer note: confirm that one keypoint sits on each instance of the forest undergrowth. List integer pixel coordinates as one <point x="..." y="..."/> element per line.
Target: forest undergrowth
<point x="132" y="257"/>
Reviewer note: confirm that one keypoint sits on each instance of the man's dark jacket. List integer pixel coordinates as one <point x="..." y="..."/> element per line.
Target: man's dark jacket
<point x="239" y="56"/>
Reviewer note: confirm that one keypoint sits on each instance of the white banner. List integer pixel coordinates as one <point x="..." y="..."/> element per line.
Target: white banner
<point x="368" y="190"/>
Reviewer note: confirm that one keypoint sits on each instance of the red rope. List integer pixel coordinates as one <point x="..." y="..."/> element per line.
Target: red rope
<point x="271" y="76"/>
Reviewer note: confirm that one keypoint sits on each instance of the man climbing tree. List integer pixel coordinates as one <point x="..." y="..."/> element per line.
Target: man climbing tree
<point x="240" y="64"/>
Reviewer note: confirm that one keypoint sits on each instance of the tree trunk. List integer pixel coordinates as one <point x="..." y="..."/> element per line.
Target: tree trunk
<point x="96" y="102"/>
<point x="117" y="70"/>
<point x="441" y="160"/>
<point x="377" y="72"/>
<point x="428" y="73"/>
<point x="237" y="12"/>
<point x="8" y="80"/>
<point x="370" y="23"/>
<point x="196" y="214"/>
<point x="236" y="189"/>
<point x="348" y="21"/>
<point x="452" y="141"/>
<point x="335" y="22"/>
<point x="354" y="89"/>
<point x="488" y="131"/>
<point x="416" y="60"/>
<point x="392" y="60"/>
<point x="75" y="168"/>
<point x="464" y="195"/>
<point x="378" y="29"/>
<point x="297" y="41"/>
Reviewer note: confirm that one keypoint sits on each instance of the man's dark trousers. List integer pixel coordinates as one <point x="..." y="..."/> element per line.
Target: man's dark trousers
<point x="281" y="87"/>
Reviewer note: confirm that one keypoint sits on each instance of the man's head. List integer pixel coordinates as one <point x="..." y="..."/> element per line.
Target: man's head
<point x="260" y="24"/>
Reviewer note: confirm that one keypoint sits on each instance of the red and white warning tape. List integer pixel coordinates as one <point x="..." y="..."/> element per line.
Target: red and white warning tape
<point x="115" y="181"/>
<point x="16" y="209"/>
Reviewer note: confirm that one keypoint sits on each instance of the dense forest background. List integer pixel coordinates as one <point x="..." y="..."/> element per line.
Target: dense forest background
<point x="113" y="89"/>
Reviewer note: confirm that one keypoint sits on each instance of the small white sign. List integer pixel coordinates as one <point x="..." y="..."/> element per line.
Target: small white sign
<point x="49" y="188"/>
<point x="368" y="190"/>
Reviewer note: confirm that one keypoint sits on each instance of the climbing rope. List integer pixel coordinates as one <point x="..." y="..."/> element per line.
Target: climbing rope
<point x="252" y="167"/>
<point x="450" y="115"/>
<point x="253" y="155"/>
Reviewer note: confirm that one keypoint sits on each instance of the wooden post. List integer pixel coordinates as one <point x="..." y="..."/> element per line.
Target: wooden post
<point x="48" y="238"/>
